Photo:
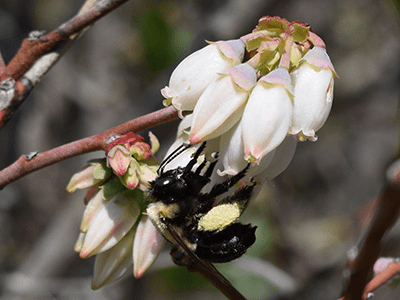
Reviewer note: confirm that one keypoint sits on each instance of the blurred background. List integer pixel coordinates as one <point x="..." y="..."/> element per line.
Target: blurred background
<point x="308" y="218"/>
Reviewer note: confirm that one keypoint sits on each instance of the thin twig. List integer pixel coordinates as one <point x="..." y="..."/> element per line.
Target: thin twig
<point x="26" y="164"/>
<point x="360" y="269"/>
<point x="32" y="49"/>
<point x="40" y="52"/>
<point x="2" y="63"/>
<point x="382" y="278"/>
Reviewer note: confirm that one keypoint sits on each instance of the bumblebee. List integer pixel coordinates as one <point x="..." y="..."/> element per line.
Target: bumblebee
<point x="208" y="227"/>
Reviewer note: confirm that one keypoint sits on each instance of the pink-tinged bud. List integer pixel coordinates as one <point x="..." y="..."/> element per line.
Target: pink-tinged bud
<point x="267" y="116"/>
<point x="140" y="174"/>
<point x="381" y="264"/>
<point x="147" y="173"/>
<point x="146" y="247"/>
<point x="111" y="265"/>
<point x="110" y="225"/>
<point x="313" y="93"/>
<point x="95" y="173"/>
<point x="198" y="70"/>
<point x="118" y="159"/>
<point x="141" y="151"/>
<point x="131" y="178"/>
<point x="124" y="153"/>
<point x="222" y="103"/>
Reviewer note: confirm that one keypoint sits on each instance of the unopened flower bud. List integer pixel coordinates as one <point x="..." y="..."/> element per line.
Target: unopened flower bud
<point x="95" y="173"/>
<point x="119" y="158"/>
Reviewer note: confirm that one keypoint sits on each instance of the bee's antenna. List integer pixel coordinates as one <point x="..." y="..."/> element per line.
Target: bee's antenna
<point x="171" y="156"/>
<point x="193" y="161"/>
<point x="199" y="168"/>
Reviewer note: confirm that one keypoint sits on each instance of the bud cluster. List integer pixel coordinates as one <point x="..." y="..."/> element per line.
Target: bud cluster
<point x="112" y="225"/>
<point x="251" y="94"/>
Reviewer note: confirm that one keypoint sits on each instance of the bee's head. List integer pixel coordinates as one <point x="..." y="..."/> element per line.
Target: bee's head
<point x="176" y="185"/>
<point x="169" y="186"/>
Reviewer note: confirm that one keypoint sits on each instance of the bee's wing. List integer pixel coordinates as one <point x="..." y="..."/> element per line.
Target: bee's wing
<point x="176" y="236"/>
<point x="206" y="269"/>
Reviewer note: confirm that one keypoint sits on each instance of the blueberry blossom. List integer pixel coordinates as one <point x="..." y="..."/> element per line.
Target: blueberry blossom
<point x="267" y="116"/>
<point x="192" y="76"/>
<point x="249" y="113"/>
<point x="112" y="223"/>
<point x="283" y="87"/>
<point x="231" y="153"/>
<point x="313" y="93"/>
<point x="221" y="105"/>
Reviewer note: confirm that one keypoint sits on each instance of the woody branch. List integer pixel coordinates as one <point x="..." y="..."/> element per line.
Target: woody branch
<point x="360" y="269"/>
<point x="25" y="165"/>
<point x="16" y="79"/>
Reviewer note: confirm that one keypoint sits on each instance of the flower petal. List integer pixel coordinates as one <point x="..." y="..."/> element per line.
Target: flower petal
<point x="154" y="142"/>
<point x="198" y="70"/>
<point x="111" y="265"/>
<point x="281" y="159"/>
<point x="267" y="116"/>
<point x="232" y="154"/>
<point x="110" y="225"/>
<point x="222" y="103"/>
<point x="92" y="209"/>
<point x="79" y="243"/>
<point x="95" y="173"/>
<point x="146" y="246"/>
<point x="313" y="93"/>
<point x="118" y="158"/>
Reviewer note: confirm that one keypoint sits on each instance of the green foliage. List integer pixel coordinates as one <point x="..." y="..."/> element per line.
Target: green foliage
<point x="162" y="43"/>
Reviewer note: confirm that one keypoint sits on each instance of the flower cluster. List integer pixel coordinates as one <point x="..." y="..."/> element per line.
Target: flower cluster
<point x="248" y="109"/>
<point x="247" y="98"/>
<point x="113" y="227"/>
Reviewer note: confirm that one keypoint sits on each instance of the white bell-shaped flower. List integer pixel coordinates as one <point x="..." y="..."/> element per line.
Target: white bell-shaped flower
<point x="313" y="93"/>
<point x="222" y="103"/>
<point x="198" y="70"/>
<point x="267" y="116"/>
<point x="111" y="265"/>
<point x="146" y="246"/>
<point x="232" y="154"/>
<point x="110" y="225"/>
<point x="283" y="155"/>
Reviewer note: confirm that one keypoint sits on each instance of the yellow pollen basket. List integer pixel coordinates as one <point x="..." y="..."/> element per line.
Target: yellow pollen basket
<point x="220" y="217"/>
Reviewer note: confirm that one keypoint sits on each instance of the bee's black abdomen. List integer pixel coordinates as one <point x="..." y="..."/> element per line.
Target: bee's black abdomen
<point x="226" y="245"/>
